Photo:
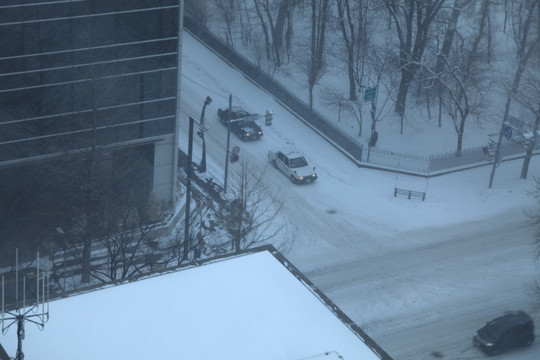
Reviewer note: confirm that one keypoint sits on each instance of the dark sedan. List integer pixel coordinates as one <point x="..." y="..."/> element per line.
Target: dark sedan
<point x="242" y="123"/>
<point x="512" y="330"/>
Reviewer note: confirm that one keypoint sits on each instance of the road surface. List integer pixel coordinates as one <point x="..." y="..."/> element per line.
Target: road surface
<point x="419" y="290"/>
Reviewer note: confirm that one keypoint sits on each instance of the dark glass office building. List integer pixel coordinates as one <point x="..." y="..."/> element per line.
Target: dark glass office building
<point x="85" y="82"/>
<point x="81" y="74"/>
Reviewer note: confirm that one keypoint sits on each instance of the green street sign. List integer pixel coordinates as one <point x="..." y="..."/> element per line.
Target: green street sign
<point x="370" y="94"/>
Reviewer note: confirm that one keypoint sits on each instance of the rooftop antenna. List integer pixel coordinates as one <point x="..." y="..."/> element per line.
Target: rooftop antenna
<point x="37" y="313"/>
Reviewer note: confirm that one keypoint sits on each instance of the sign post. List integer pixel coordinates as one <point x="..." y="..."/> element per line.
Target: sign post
<point x="370" y="94"/>
<point x="507" y="131"/>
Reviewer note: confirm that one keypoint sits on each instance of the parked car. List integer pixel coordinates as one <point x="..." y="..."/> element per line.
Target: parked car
<point x="242" y="123"/>
<point x="294" y="165"/>
<point x="512" y="330"/>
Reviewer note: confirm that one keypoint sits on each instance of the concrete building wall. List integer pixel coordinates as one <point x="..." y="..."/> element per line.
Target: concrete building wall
<point x="165" y="154"/>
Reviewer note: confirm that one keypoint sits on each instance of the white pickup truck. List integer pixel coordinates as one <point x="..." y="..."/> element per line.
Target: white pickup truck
<point x="294" y="165"/>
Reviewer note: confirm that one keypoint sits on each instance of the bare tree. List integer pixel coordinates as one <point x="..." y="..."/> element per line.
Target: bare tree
<point x="127" y="245"/>
<point x="465" y="94"/>
<point x="314" y="64"/>
<point x="528" y="96"/>
<point x="198" y="10"/>
<point x="533" y="217"/>
<point x="378" y="64"/>
<point x="245" y="23"/>
<point x="444" y="52"/>
<point x="264" y="26"/>
<point x="353" y="24"/>
<point x="226" y="10"/>
<point x="534" y="221"/>
<point x="250" y="218"/>
<point x="89" y="207"/>
<point x="525" y="18"/>
<point x="372" y="66"/>
<point x="277" y="15"/>
<point x="459" y="77"/>
<point x="412" y="20"/>
<point x="127" y="238"/>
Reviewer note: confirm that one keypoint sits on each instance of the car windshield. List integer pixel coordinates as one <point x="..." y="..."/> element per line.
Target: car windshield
<point x="495" y="328"/>
<point x="297" y="162"/>
<point x="248" y="126"/>
<point x="238" y="112"/>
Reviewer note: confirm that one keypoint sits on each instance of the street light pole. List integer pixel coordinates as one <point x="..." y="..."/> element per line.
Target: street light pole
<point x="202" y="166"/>
<point x="228" y="144"/>
<point x="187" y="240"/>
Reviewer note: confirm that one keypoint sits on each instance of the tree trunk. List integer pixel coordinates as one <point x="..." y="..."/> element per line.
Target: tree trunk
<point x="289" y="33"/>
<point x="319" y="15"/>
<point x="373" y="113"/>
<point x="350" y="43"/>
<point x="530" y="147"/>
<point x="86" y="259"/>
<point x="352" y="83"/>
<point x="278" y="28"/>
<point x="407" y="75"/>
<point x="449" y="36"/>
<point x="517" y="80"/>
<point x="524" y="52"/>
<point x="489" y="38"/>
<point x="440" y="107"/>
<point x="461" y="131"/>
<point x="526" y="162"/>
<point x="265" y="31"/>
<point x="415" y="22"/>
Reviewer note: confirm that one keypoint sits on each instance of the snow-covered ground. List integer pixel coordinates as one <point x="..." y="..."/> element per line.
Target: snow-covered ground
<point x="342" y="187"/>
<point x="418" y="276"/>
<point x="350" y="216"/>
<point x="422" y="134"/>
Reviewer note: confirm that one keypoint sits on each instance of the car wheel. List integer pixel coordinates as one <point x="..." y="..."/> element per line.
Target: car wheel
<point x="529" y="341"/>
<point x="293" y="179"/>
<point x="274" y="163"/>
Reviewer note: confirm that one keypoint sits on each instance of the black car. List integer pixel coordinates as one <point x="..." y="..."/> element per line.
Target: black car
<point x="512" y="330"/>
<point x="242" y="123"/>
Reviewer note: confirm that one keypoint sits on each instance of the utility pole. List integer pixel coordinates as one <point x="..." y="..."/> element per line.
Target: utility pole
<point x="188" y="190"/>
<point x="202" y="166"/>
<point x="497" y="159"/>
<point x="228" y="144"/>
<point x="187" y="240"/>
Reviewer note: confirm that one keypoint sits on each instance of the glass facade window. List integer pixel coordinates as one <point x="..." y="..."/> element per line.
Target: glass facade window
<point x="68" y="67"/>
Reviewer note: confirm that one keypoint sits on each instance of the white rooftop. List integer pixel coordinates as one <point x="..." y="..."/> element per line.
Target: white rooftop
<point x="247" y="307"/>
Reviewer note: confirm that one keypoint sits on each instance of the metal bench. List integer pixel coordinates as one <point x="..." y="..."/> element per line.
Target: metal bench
<point x="409" y="193"/>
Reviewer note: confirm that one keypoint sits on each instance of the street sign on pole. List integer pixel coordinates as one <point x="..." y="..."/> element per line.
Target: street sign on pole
<point x="234" y="158"/>
<point x="507" y="130"/>
<point x="370" y="94"/>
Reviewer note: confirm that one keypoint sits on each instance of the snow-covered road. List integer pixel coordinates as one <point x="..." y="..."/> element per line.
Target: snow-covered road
<point x="419" y="277"/>
<point x="438" y="292"/>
